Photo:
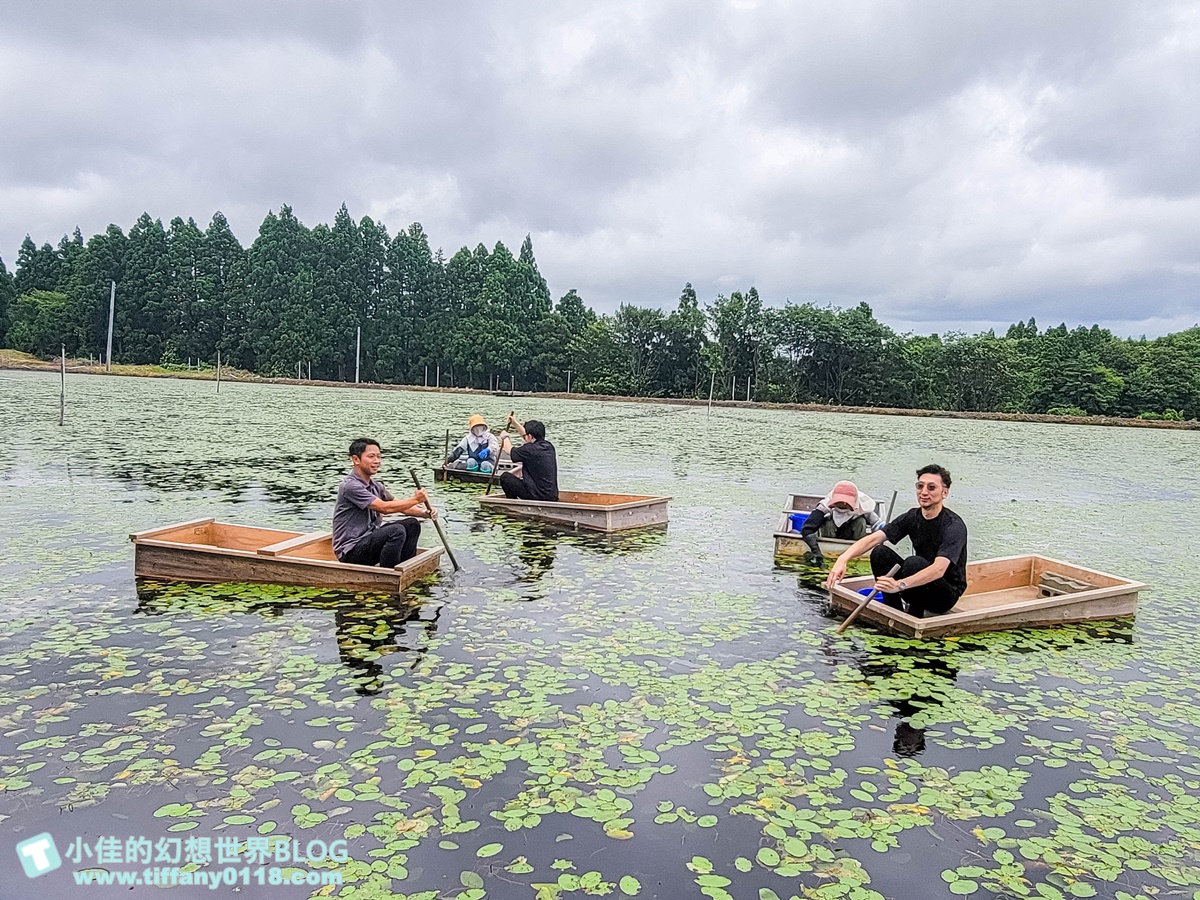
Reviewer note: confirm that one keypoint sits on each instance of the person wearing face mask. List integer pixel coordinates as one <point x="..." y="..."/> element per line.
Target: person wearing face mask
<point x="846" y="513"/>
<point x="478" y="450"/>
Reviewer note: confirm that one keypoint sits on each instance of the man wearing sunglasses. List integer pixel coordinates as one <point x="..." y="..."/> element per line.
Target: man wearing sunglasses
<point x="935" y="576"/>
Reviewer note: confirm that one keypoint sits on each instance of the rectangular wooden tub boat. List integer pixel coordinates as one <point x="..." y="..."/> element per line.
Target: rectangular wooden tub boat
<point x="446" y="473"/>
<point x="586" y="510"/>
<point x="215" y="552"/>
<point x="787" y="538"/>
<point x="1010" y="592"/>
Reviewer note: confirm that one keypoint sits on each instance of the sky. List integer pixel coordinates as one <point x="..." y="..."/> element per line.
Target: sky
<point x="958" y="166"/>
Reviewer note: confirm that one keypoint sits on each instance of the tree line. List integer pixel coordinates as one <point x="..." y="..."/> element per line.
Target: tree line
<point x="484" y="318"/>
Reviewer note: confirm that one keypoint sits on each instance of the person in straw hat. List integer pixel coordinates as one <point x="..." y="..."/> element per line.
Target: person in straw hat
<point x="478" y="450"/>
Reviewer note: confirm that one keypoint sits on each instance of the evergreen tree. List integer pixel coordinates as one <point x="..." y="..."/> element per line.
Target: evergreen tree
<point x="69" y="250"/>
<point x="142" y="317"/>
<point x="224" y="265"/>
<point x="100" y="264"/>
<point x="8" y="293"/>
<point x="38" y="268"/>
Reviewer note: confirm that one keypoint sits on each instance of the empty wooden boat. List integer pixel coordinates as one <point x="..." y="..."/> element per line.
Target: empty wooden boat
<point x="587" y="510"/>
<point x="1010" y="592"/>
<point x="448" y="473"/>
<point x="215" y="552"/>
<point x="787" y="534"/>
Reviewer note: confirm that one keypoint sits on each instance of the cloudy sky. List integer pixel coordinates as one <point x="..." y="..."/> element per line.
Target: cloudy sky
<point x="956" y="165"/>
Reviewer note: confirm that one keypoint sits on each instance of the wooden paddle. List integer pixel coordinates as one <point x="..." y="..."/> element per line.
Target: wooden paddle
<point x="871" y="596"/>
<point x="436" y="523"/>
<point x="496" y="467"/>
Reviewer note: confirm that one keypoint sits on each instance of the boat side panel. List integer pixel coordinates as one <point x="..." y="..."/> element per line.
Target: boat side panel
<point x="990" y="575"/>
<point x="184" y="564"/>
<point x="1082" y="610"/>
<point x="638" y="516"/>
<point x="1043" y="564"/>
<point x="179" y="528"/>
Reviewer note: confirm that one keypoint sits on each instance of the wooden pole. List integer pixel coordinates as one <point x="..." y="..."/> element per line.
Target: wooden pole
<point x="436" y="523"/>
<point x="496" y="468"/>
<point x="62" y="394"/>
<point x="712" y="384"/>
<point x="446" y="455"/>
<point x="112" y="305"/>
<point x="871" y="596"/>
<point x="891" y="506"/>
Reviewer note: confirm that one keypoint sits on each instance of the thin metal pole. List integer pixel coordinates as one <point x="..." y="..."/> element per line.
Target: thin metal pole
<point x="568" y="381"/>
<point x="747" y="390"/>
<point x="310" y="370"/>
<point x="427" y="376"/>
<point x="112" y="304"/>
<point x="62" y="394"/>
<point x="732" y="387"/>
<point x="357" y="352"/>
<point x="439" y="376"/>
<point x="712" y="383"/>
<point x="218" y="371"/>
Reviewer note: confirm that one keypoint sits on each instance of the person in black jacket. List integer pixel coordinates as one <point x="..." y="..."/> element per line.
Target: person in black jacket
<point x="539" y="463"/>
<point x="935" y="576"/>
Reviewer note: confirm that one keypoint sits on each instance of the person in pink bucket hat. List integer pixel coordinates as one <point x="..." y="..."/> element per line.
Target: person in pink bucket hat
<point x="846" y="513"/>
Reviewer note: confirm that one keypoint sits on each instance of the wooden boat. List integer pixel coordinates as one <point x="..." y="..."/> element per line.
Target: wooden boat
<point x="215" y="552"/>
<point x="446" y="473"/>
<point x="787" y="538"/>
<point x="1009" y="592"/>
<point x="586" y="510"/>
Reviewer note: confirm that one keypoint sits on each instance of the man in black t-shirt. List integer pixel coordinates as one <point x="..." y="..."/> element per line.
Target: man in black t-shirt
<point x="935" y="576"/>
<point x="539" y="464"/>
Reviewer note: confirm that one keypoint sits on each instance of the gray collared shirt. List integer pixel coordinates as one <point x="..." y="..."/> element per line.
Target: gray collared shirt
<point x="352" y="514"/>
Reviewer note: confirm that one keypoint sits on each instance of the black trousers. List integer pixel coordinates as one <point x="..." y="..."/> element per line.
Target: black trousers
<point x="514" y="488"/>
<point x="388" y="545"/>
<point x="931" y="599"/>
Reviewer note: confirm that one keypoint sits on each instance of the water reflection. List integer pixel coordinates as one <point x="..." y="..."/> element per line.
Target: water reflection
<point x="539" y="534"/>
<point x="367" y="627"/>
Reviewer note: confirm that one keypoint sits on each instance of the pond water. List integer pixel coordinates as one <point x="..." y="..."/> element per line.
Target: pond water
<point x="662" y="714"/>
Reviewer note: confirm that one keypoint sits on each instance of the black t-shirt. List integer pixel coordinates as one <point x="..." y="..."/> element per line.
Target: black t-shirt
<point x="539" y="468"/>
<point x="945" y="536"/>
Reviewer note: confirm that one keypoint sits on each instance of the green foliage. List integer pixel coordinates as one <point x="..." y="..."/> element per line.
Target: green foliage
<point x="485" y="317"/>
<point x="36" y="323"/>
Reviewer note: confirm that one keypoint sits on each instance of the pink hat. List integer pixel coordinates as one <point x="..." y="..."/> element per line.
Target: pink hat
<point x="844" y="492"/>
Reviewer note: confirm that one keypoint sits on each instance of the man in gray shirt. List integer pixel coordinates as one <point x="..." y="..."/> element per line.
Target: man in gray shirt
<point x="358" y="537"/>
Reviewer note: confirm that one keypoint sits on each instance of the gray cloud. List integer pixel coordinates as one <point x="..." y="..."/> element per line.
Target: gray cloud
<point x="955" y="166"/>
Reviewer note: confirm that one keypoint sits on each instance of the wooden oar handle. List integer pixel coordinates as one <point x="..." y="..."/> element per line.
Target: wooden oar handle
<point x="436" y="524"/>
<point x="870" y="596"/>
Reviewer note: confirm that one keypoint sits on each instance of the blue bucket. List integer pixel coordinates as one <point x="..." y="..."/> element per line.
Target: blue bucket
<point x="798" y="519"/>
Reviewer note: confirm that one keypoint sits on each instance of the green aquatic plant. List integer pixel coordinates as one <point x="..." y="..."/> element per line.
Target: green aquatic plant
<point x="669" y="714"/>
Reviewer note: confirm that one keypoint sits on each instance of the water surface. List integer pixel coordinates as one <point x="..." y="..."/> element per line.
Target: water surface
<point x="662" y="714"/>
